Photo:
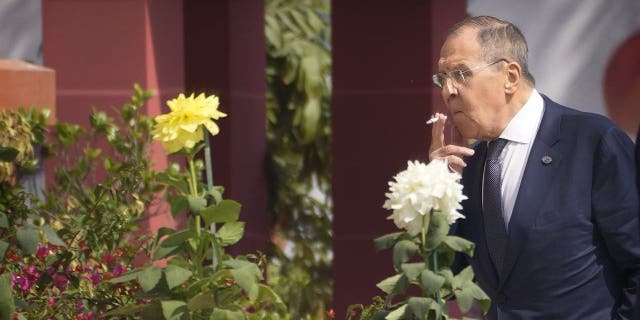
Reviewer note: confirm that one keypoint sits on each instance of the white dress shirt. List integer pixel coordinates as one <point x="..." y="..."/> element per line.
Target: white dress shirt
<point x="520" y="133"/>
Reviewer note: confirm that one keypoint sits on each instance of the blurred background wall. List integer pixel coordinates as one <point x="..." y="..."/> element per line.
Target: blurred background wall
<point x="585" y="54"/>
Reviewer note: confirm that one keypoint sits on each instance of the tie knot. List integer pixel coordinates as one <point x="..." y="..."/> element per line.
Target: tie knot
<point x="495" y="148"/>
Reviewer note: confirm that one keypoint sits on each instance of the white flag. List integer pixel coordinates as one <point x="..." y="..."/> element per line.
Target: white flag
<point x="584" y="54"/>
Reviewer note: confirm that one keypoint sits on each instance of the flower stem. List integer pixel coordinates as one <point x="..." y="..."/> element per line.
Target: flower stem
<point x="193" y="186"/>
<point x="209" y="169"/>
<point x="434" y="256"/>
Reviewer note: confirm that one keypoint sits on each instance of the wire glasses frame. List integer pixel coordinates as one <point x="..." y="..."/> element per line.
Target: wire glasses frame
<point x="458" y="75"/>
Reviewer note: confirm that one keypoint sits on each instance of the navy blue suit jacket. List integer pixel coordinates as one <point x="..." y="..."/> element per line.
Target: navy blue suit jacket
<point x="573" y="247"/>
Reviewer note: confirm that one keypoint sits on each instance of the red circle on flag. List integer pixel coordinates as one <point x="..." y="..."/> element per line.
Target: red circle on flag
<point x="622" y="85"/>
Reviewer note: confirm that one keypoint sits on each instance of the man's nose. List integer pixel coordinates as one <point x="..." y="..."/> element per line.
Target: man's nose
<point x="448" y="88"/>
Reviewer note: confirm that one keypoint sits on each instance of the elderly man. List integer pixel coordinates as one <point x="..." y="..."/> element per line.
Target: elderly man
<point x="553" y="202"/>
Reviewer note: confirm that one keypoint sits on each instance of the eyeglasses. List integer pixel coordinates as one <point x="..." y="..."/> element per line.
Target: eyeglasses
<point x="458" y="75"/>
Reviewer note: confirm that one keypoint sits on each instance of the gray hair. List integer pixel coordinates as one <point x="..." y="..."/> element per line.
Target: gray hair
<point x="498" y="39"/>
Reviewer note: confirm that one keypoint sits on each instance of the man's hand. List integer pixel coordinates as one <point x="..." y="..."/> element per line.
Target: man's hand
<point x="452" y="153"/>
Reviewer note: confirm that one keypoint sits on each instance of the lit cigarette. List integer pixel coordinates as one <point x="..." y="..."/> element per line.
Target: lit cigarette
<point x="433" y="119"/>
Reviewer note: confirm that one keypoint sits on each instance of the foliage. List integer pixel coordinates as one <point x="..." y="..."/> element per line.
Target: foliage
<point x="15" y="139"/>
<point x="425" y="198"/>
<point x="199" y="279"/>
<point x="298" y="133"/>
<point x="57" y="252"/>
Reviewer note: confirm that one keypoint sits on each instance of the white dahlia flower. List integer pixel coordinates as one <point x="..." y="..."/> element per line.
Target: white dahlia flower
<point x="422" y="188"/>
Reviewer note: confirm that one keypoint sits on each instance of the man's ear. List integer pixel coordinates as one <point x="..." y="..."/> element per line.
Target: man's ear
<point x="513" y="77"/>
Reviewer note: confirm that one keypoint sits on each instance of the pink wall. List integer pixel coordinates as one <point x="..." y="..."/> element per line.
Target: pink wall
<point x="383" y="57"/>
<point x="100" y="48"/>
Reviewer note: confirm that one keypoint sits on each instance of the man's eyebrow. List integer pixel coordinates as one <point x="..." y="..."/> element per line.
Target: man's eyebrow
<point x="456" y="66"/>
<point x="459" y="66"/>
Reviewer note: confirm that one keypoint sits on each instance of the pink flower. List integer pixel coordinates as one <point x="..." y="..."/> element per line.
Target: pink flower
<point x="51" y="301"/>
<point x="21" y="282"/>
<point x="118" y="270"/>
<point x="86" y="316"/>
<point x="42" y="253"/>
<point x="79" y="304"/>
<point x="95" y="276"/>
<point x="107" y="258"/>
<point x="60" y="281"/>
<point x="31" y="273"/>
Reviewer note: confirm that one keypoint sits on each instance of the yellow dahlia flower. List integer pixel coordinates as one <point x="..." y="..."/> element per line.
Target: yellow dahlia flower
<point x="182" y="127"/>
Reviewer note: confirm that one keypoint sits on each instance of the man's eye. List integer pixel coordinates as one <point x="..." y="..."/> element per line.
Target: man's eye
<point x="458" y="76"/>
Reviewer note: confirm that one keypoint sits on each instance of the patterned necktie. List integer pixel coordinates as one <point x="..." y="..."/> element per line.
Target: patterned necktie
<point x="495" y="229"/>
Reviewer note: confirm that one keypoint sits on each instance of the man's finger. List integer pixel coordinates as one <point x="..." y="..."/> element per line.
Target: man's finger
<point x="437" y="132"/>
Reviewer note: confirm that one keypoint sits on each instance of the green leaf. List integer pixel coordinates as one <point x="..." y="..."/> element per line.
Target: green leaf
<point x="178" y="238"/>
<point x="431" y="282"/>
<point x="397" y="314"/>
<point x="129" y="309"/>
<point x="7" y="308"/>
<point x="52" y="236"/>
<point x="171" y="176"/>
<point x="3" y="249"/>
<point x="200" y="284"/>
<point x="28" y="239"/>
<point x="132" y="275"/>
<point x="419" y="306"/>
<point x="8" y="154"/>
<point x="438" y="230"/>
<point x="402" y="252"/>
<point x="459" y="245"/>
<point x="230" y="296"/>
<point x="173" y="309"/>
<point x="196" y="203"/>
<point x="225" y="211"/>
<point x="163" y="252"/>
<point x="216" y="193"/>
<point x="312" y="112"/>
<point x="176" y="275"/>
<point x="480" y="296"/>
<point x="464" y="299"/>
<point x="200" y="301"/>
<point x="447" y="274"/>
<point x="153" y="311"/>
<point x="267" y="295"/>
<point x="224" y="314"/>
<point x="150" y="277"/>
<point x="247" y="275"/>
<point x="179" y="204"/>
<point x="394" y="285"/>
<point x="387" y="241"/>
<point x="380" y="315"/>
<point x="465" y="276"/>
<point x="230" y="233"/>
<point x="412" y="270"/>
<point x="4" y="222"/>
<point x="161" y="233"/>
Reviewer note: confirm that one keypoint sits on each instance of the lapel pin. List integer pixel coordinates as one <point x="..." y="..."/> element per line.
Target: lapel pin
<point x="546" y="160"/>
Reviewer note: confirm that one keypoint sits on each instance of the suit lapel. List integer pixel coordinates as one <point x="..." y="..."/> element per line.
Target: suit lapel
<point x="534" y="187"/>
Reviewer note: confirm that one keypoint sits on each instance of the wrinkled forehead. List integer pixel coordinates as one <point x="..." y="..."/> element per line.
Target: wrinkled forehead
<point x="460" y="48"/>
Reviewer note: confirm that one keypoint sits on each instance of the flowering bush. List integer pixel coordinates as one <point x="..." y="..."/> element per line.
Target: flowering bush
<point x="57" y="253"/>
<point x="199" y="281"/>
<point x="425" y="199"/>
<point x="16" y="142"/>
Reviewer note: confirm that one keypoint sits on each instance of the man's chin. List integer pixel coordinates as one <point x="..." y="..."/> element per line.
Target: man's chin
<point x="464" y="128"/>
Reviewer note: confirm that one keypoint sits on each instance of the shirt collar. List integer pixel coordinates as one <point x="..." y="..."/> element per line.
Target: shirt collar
<point x="524" y="125"/>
